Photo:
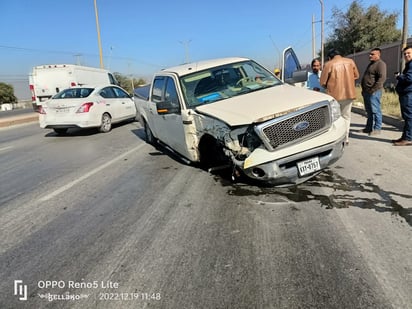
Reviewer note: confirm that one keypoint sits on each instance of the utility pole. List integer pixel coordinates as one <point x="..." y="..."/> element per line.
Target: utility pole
<point x="78" y="59"/>
<point x="186" y="46"/>
<point x="322" y="21"/>
<point x="110" y="58"/>
<point x="404" y="30"/>
<point x="279" y="64"/>
<point x="131" y="75"/>
<point x="322" y="42"/>
<point x="313" y="38"/>
<point x="98" y="35"/>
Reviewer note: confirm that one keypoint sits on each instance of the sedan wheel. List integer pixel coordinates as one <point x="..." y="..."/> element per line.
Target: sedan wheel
<point x="106" y="125"/>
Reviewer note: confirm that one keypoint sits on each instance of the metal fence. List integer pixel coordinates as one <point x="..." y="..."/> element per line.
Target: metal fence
<point x="391" y="54"/>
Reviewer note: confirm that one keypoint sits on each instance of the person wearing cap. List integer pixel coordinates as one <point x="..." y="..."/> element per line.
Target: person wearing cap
<point x="277" y="73"/>
<point x="338" y="78"/>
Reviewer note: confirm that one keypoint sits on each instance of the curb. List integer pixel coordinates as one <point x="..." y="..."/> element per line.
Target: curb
<point x="7" y="122"/>
<point x="390" y="120"/>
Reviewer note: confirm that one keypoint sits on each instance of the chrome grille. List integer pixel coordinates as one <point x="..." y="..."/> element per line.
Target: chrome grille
<point x="295" y="126"/>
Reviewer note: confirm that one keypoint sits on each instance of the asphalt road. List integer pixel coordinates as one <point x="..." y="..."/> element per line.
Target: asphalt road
<point x="112" y="222"/>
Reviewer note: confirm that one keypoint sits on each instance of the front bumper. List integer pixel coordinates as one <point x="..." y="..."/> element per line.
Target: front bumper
<point x="284" y="171"/>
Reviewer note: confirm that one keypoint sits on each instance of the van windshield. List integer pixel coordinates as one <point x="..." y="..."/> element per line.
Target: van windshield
<point x="223" y="82"/>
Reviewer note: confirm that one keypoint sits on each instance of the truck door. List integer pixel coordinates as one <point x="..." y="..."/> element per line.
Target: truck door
<point x="170" y="118"/>
<point x="292" y="72"/>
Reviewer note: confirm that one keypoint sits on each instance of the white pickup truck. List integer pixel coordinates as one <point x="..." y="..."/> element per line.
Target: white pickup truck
<point x="233" y="112"/>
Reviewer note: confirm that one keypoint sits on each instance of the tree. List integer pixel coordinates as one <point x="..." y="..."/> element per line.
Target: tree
<point x="7" y="94"/>
<point x="359" y="29"/>
<point x="128" y="83"/>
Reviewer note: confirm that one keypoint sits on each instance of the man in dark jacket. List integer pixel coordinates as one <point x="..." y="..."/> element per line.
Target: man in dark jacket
<point x="404" y="90"/>
<point x="372" y="86"/>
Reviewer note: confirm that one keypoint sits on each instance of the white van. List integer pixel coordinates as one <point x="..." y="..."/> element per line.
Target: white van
<point x="47" y="80"/>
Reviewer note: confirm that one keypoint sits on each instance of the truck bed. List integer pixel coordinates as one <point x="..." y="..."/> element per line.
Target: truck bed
<point x="142" y="92"/>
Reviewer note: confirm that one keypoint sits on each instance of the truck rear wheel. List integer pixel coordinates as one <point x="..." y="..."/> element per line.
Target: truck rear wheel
<point x="150" y="139"/>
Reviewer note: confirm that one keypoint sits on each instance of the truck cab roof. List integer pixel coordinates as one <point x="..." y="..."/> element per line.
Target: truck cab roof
<point x="193" y="67"/>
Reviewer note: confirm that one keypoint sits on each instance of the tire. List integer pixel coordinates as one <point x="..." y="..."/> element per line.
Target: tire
<point x="211" y="153"/>
<point x="60" y="131"/>
<point x="150" y="139"/>
<point x="106" y="125"/>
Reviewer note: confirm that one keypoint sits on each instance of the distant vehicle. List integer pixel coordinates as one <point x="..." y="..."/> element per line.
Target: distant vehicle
<point x="234" y="113"/>
<point x="87" y="107"/>
<point x="47" y="80"/>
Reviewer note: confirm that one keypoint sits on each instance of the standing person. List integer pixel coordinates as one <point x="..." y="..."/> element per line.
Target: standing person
<point x="313" y="82"/>
<point x="338" y="78"/>
<point x="277" y="73"/>
<point x="404" y="90"/>
<point x="372" y="86"/>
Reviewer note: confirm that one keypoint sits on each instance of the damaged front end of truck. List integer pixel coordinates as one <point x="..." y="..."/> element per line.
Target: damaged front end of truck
<point x="283" y="149"/>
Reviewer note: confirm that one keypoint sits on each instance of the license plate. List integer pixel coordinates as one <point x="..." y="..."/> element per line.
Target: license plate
<point x="62" y="110"/>
<point x="308" y="166"/>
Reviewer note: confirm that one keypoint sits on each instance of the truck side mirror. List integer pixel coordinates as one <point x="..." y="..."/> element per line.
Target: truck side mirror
<point x="167" y="107"/>
<point x="297" y="77"/>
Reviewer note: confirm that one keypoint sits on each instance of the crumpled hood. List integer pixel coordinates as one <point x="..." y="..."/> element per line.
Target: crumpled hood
<point x="262" y="105"/>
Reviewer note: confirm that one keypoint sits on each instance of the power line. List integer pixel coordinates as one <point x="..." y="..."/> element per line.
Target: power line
<point x="79" y="53"/>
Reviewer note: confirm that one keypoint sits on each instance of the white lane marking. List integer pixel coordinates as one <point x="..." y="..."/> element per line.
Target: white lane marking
<point x="5" y="148"/>
<point x="92" y="172"/>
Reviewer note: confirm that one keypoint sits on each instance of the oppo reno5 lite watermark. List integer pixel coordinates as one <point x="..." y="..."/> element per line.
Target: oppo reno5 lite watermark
<point x="20" y="289"/>
<point x="60" y="290"/>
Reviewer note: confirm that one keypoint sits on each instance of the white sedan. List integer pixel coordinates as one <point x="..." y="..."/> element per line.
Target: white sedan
<point x="87" y="107"/>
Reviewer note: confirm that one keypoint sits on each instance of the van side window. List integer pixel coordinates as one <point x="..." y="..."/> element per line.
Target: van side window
<point x="112" y="79"/>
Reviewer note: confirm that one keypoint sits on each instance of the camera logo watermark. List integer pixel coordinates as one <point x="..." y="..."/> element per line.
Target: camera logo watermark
<point x="20" y="289"/>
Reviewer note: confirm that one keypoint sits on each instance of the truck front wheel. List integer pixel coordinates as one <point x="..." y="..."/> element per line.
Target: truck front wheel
<point x="211" y="153"/>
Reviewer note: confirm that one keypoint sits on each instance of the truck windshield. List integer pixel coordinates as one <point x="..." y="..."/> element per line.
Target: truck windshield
<point x="223" y="82"/>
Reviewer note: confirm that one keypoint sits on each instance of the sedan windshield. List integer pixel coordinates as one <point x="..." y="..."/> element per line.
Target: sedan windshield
<point x="226" y="81"/>
<point x="74" y="93"/>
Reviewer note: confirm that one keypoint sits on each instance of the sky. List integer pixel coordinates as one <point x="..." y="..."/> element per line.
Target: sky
<point x="139" y="38"/>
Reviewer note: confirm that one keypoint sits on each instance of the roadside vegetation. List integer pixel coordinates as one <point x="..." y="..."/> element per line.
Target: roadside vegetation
<point x="7" y="94"/>
<point x="361" y="28"/>
<point x="128" y="83"/>
<point x="389" y="102"/>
